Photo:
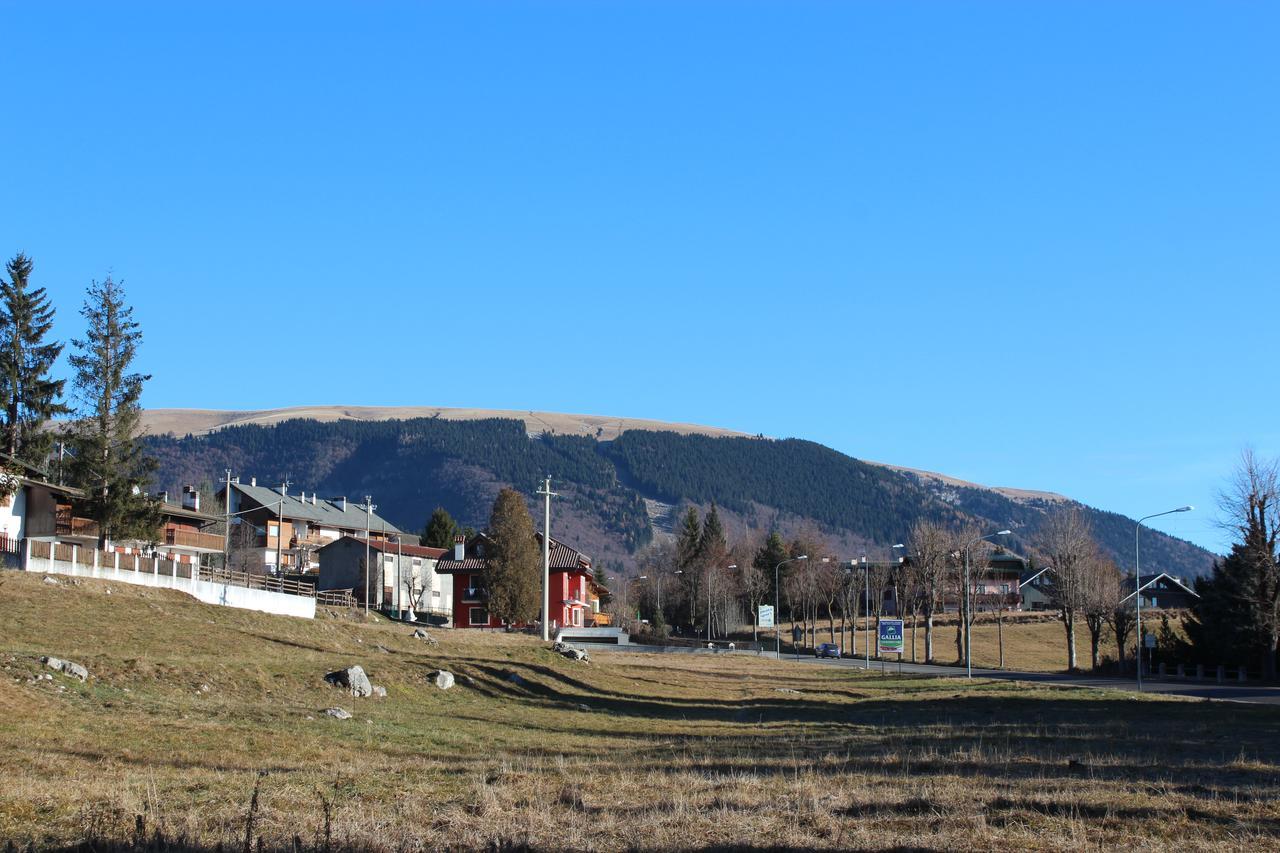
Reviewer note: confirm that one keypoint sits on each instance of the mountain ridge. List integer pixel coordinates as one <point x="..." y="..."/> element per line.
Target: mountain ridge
<point x="611" y="485"/>
<point x="179" y="422"/>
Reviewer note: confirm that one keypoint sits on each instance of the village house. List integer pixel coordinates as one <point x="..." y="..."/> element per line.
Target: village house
<point x="403" y="579"/>
<point x="1034" y="588"/>
<point x="997" y="585"/>
<point x="47" y="512"/>
<point x="1161" y="591"/>
<point x="274" y="531"/>
<point x="572" y="600"/>
<point x="184" y="535"/>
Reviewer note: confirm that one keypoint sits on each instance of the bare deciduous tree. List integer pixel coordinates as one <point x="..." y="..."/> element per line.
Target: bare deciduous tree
<point x="1067" y="546"/>
<point x="930" y="546"/>
<point x="1101" y="598"/>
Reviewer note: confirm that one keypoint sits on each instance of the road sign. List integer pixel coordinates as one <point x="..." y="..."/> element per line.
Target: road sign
<point x="766" y="616"/>
<point x="890" y="639"/>
<point x="1150" y="640"/>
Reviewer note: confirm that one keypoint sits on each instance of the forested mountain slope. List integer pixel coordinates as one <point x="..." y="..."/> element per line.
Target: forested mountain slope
<point x="411" y="466"/>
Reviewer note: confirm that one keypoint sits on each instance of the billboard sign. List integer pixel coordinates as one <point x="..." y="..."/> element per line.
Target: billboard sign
<point x="766" y="616"/>
<point x="890" y="638"/>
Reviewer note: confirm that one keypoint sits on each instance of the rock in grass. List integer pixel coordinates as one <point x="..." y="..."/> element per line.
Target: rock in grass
<point x="442" y="678"/>
<point x="379" y="691"/>
<point x="352" y="679"/>
<point x="338" y="713"/>
<point x="66" y="667"/>
<point x="49" y="580"/>
<point x="419" y="634"/>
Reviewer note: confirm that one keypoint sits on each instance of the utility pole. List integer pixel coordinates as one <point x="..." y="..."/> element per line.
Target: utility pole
<point x="226" y="545"/>
<point x="547" y="495"/>
<point x="284" y="488"/>
<point x="368" y="520"/>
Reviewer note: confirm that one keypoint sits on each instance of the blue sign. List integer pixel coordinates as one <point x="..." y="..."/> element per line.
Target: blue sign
<point x="890" y="639"/>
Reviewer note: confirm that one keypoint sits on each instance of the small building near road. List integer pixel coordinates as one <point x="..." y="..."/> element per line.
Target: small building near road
<point x="1161" y="591"/>
<point x="403" y="577"/>
<point x="1034" y="589"/>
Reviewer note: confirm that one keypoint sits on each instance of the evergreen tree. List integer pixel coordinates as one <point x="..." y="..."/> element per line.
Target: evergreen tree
<point x="29" y="395"/>
<point x="440" y="530"/>
<point x="712" y="545"/>
<point x="109" y="462"/>
<point x="1236" y="619"/>
<point x="773" y="552"/>
<point x="689" y="539"/>
<point x="514" y="575"/>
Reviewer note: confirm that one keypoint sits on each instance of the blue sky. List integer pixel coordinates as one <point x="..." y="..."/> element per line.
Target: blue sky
<point x="1027" y="244"/>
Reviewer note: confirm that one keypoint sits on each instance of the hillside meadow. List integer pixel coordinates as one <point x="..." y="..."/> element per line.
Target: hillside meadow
<point x="204" y="727"/>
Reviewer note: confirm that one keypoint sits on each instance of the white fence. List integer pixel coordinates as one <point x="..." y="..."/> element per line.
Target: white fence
<point x="229" y="590"/>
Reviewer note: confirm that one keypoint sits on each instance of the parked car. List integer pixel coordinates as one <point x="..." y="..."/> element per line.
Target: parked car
<point x="827" y="650"/>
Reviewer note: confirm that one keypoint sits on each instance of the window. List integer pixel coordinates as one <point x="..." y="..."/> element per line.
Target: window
<point x="478" y="616"/>
<point x="577" y="617"/>
<point x="417" y="561"/>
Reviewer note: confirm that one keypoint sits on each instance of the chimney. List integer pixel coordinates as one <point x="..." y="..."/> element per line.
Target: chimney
<point x="163" y="497"/>
<point x="313" y="498"/>
<point x="302" y="496"/>
<point x="340" y="503"/>
<point x="253" y="481"/>
<point x="459" y="547"/>
<point x="190" y="498"/>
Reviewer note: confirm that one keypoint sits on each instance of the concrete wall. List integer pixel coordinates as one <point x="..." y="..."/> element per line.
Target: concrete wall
<point x="227" y="595"/>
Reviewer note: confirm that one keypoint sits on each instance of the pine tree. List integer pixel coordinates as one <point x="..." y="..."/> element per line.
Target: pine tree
<point x="30" y="396"/>
<point x="514" y="574"/>
<point x="773" y="552"/>
<point x="712" y="545"/>
<point x="108" y="458"/>
<point x="440" y="530"/>
<point x="689" y="539"/>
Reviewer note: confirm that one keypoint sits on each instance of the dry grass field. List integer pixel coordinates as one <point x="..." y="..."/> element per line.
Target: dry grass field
<point x="1033" y="642"/>
<point x="191" y="709"/>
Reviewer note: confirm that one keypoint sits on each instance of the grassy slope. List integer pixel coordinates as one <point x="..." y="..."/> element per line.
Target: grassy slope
<point x="672" y="751"/>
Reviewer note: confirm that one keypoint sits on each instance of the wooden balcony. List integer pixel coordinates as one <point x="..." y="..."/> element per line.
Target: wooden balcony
<point x="66" y="524"/>
<point x="192" y="539"/>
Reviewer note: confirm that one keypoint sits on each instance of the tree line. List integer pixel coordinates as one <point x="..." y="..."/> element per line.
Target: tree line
<point x="99" y="447"/>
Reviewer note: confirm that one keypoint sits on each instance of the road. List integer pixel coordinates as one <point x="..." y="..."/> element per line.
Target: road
<point x="1259" y="694"/>
<point x="1255" y="693"/>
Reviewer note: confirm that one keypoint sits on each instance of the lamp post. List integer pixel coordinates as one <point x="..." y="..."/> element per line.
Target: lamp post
<point x="968" y="602"/>
<point x="777" y="630"/>
<point x="731" y="566"/>
<point x="658" y="578"/>
<point x="1137" y="579"/>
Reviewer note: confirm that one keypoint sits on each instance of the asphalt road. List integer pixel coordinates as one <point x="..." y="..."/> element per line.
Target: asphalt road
<point x="1256" y="693"/>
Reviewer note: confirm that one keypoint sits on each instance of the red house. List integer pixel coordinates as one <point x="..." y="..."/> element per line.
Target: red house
<point x="571" y="584"/>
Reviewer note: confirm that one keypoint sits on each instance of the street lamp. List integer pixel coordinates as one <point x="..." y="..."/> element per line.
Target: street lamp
<point x="866" y="597"/>
<point x="968" y="602"/>
<point x="777" y="630"/>
<point x="659" y="584"/>
<point x="1137" y="579"/>
<point x="709" y="602"/>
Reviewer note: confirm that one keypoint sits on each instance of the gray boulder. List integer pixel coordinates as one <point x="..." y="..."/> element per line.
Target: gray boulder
<point x="338" y="713"/>
<point x="66" y="667"/>
<point x="351" y="679"/>
<point x="50" y="581"/>
<point x="442" y="678"/>
<point x="379" y="691"/>
<point x="419" y="634"/>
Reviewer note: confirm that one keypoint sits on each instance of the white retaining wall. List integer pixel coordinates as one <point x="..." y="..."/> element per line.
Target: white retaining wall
<point x="210" y="592"/>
